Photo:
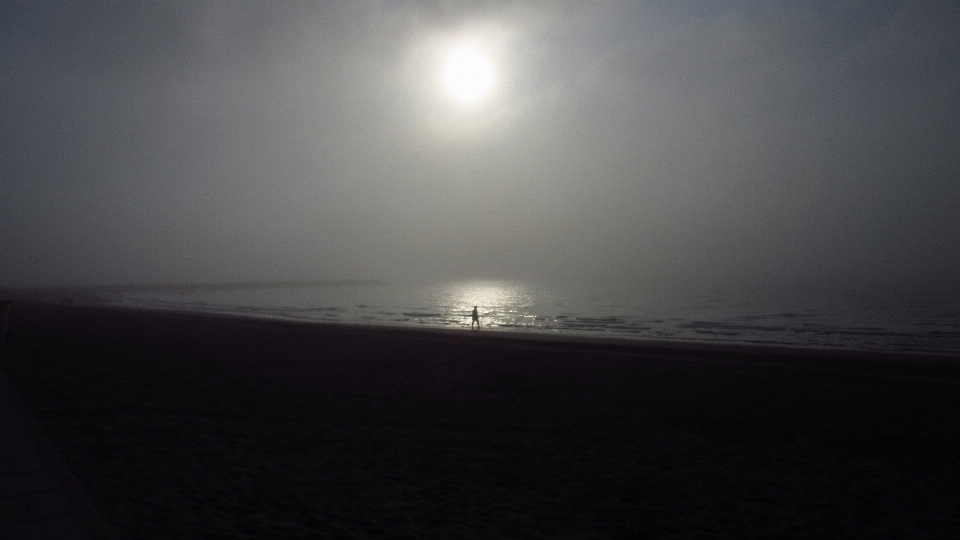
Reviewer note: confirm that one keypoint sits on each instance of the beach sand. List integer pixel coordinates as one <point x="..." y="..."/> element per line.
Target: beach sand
<point x="195" y="426"/>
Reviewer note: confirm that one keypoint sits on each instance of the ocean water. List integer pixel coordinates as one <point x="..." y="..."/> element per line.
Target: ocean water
<point x="866" y="322"/>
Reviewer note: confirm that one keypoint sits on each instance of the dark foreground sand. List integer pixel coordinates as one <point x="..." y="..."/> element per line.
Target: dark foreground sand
<point x="186" y="426"/>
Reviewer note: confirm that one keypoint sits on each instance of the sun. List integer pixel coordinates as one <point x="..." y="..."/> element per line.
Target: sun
<point x="469" y="74"/>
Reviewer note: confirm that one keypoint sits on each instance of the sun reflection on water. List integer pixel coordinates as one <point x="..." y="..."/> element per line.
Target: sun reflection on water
<point x="499" y="303"/>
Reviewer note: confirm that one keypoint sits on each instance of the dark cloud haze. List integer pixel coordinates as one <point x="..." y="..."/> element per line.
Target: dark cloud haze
<point x="662" y="142"/>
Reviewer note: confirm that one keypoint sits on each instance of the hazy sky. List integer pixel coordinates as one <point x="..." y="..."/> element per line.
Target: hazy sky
<point x="665" y="141"/>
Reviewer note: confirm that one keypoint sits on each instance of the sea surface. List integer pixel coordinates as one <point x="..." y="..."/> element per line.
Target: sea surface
<point x="875" y="322"/>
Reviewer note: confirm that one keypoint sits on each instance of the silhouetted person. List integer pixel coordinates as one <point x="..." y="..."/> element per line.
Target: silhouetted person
<point x="476" y="318"/>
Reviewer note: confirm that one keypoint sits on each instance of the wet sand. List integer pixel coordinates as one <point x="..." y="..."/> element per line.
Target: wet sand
<point x="193" y="426"/>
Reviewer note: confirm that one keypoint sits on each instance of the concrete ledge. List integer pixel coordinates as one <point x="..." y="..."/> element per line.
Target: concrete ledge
<point x="57" y="507"/>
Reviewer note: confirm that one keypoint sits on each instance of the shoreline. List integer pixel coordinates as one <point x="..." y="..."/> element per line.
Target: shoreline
<point x="836" y="360"/>
<point x="612" y="344"/>
<point x="823" y="336"/>
<point x="185" y="425"/>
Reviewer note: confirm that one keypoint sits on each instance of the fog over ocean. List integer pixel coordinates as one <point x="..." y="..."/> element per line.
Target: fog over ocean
<point x="926" y="322"/>
<point x="714" y="249"/>
<point x="795" y="164"/>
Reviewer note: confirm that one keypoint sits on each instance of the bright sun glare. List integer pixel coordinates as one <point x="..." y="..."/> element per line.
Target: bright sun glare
<point x="469" y="75"/>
